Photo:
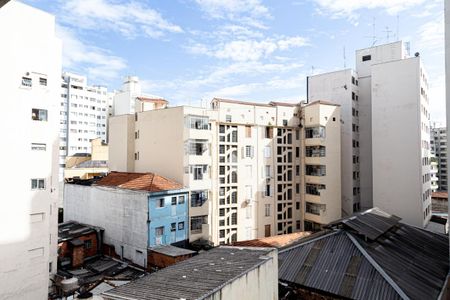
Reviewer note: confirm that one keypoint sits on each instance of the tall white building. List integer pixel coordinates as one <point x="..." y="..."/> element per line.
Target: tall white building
<point x="342" y="87"/>
<point x="253" y="169"/>
<point x="438" y="143"/>
<point x="130" y="99"/>
<point x="83" y="116"/>
<point x="30" y="74"/>
<point x="385" y="98"/>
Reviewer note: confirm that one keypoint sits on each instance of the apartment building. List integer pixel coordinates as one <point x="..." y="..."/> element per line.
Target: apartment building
<point x="84" y="116"/>
<point x="342" y="87"/>
<point x="392" y="167"/>
<point x="130" y="98"/>
<point x="30" y="77"/>
<point x="241" y="161"/>
<point x="438" y="144"/>
<point x="434" y="170"/>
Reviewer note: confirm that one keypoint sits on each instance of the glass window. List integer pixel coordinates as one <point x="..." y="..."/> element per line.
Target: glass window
<point x="181" y="200"/>
<point x="37" y="184"/>
<point x="160" y="203"/>
<point x="159" y="231"/>
<point x="315" y="132"/>
<point x="26" y="81"/>
<point x="174" y="200"/>
<point x="198" y="122"/>
<point x="173" y="226"/>
<point x="38" y="147"/>
<point x="181" y="226"/>
<point x="38" y="114"/>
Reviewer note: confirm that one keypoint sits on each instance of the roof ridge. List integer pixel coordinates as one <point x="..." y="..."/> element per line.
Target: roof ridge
<point x="309" y="241"/>
<point x="377" y="267"/>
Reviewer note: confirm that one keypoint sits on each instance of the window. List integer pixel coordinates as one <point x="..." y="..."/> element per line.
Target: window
<point x="248" y="131"/>
<point x="314" y="189"/>
<point x="198" y="198"/>
<point x="26" y="81"/>
<point x="234" y="218"/>
<point x="181" y="226"/>
<point x="38" y="147"/>
<point x="285" y="122"/>
<point x="38" y="114"/>
<point x="313" y="208"/>
<point x="181" y="200"/>
<point x="174" y="200"/>
<point x="43" y="81"/>
<point x="297" y="188"/>
<point x="159" y="231"/>
<point x="267" y="210"/>
<point x="221" y="212"/>
<point x="173" y="227"/>
<point x="366" y="57"/>
<point x="269" y="133"/>
<point x="267" y="230"/>
<point x="315" y="151"/>
<point x="267" y="152"/>
<point x="160" y="203"/>
<point x="297" y="152"/>
<point x="297" y="170"/>
<point x="315" y="170"/>
<point x="228" y="118"/>
<point x="88" y="244"/>
<point x="38" y="184"/>
<point x="249" y="151"/>
<point x="221" y="233"/>
<point x="197" y="222"/>
<point x="315" y="132"/>
<point x="268" y="171"/>
<point x="198" y="122"/>
<point x="297" y="134"/>
<point x="268" y="191"/>
<point x="136" y="156"/>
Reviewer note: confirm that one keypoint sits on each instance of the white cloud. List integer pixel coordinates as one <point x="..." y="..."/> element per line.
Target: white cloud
<point x="98" y="63"/>
<point x="431" y="35"/>
<point x="130" y="19"/>
<point x="248" y="49"/>
<point x="348" y="8"/>
<point x="249" y="12"/>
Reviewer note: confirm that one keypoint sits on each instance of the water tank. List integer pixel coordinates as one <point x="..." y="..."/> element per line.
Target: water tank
<point x="69" y="284"/>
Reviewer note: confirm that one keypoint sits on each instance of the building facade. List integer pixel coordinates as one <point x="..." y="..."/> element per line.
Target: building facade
<point x="137" y="210"/>
<point x="84" y="116"/>
<point x="438" y="143"/>
<point x="241" y="161"/>
<point x="30" y="77"/>
<point x="342" y="87"/>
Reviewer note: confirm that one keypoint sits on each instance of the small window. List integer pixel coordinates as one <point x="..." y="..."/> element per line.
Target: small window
<point x="228" y="118"/>
<point x="43" y="81"/>
<point x="285" y="122"/>
<point x="37" y="184"/>
<point x="160" y="203"/>
<point x="26" y="81"/>
<point x="87" y="244"/>
<point x="366" y="57"/>
<point x="181" y="226"/>
<point x="159" y="231"/>
<point x="174" y="200"/>
<point x="173" y="226"/>
<point x="38" y="147"/>
<point x="181" y="200"/>
<point x="38" y="114"/>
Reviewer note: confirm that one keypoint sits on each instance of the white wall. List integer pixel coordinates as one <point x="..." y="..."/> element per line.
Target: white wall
<point x="396" y="140"/>
<point x="28" y="218"/>
<point x="122" y="213"/>
<point x="121" y="143"/>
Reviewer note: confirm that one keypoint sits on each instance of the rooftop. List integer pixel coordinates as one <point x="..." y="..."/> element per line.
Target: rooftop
<point x="71" y="230"/>
<point x="172" y="251"/>
<point x="440" y="195"/>
<point x="92" y="164"/>
<point x="270" y="104"/>
<point x="277" y="241"/>
<point x="139" y="181"/>
<point x="152" y="99"/>
<point x="370" y="255"/>
<point x="323" y="102"/>
<point x="195" y="278"/>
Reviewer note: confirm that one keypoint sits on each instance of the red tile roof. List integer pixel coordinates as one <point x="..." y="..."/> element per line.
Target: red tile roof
<point x="139" y="181"/>
<point x="156" y="100"/>
<point x="441" y="195"/>
<point x="277" y="241"/>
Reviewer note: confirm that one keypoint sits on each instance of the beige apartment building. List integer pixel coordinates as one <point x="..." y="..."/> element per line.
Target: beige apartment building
<point x="243" y="163"/>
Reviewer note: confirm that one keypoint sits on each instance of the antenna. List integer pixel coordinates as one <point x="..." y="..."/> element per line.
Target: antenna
<point x="387" y="33"/>
<point x="373" y="36"/>
<point x="344" y="59"/>
<point x="398" y="27"/>
<point x="312" y="70"/>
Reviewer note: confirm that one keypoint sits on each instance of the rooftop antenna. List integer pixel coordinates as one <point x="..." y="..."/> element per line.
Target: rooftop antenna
<point x="312" y="70"/>
<point x="398" y="27"/>
<point x="373" y="36"/>
<point x="344" y="59"/>
<point x="387" y="33"/>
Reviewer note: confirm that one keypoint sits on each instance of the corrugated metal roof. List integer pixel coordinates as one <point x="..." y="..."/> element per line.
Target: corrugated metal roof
<point x="402" y="260"/>
<point x="195" y="278"/>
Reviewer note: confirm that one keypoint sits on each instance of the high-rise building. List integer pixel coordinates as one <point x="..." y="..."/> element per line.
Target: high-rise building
<point x="84" y="116"/>
<point x="341" y="87"/>
<point x="130" y="99"/>
<point x="382" y="100"/>
<point x="438" y="144"/>
<point x="30" y="76"/>
<point x="244" y="163"/>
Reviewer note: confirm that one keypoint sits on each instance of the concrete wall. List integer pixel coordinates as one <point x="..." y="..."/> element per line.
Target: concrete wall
<point x="261" y="283"/>
<point x="28" y="218"/>
<point x="397" y="140"/>
<point x="122" y="213"/>
<point x="121" y="143"/>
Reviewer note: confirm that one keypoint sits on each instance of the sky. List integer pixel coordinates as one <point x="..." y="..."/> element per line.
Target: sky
<point x="189" y="51"/>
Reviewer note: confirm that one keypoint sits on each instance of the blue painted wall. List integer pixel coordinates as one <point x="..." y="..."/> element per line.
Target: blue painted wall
<point x="167" y="215"/>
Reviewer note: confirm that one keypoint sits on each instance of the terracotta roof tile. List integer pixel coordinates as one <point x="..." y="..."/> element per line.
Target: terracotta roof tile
<point x="277" y="241"/>
<point x="139" y="181"/>
<point x="156" y="100"/>
<point x="442" y="195"/>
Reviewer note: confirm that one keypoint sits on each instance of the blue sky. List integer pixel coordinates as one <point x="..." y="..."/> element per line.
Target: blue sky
<point x="189" y="51"/>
